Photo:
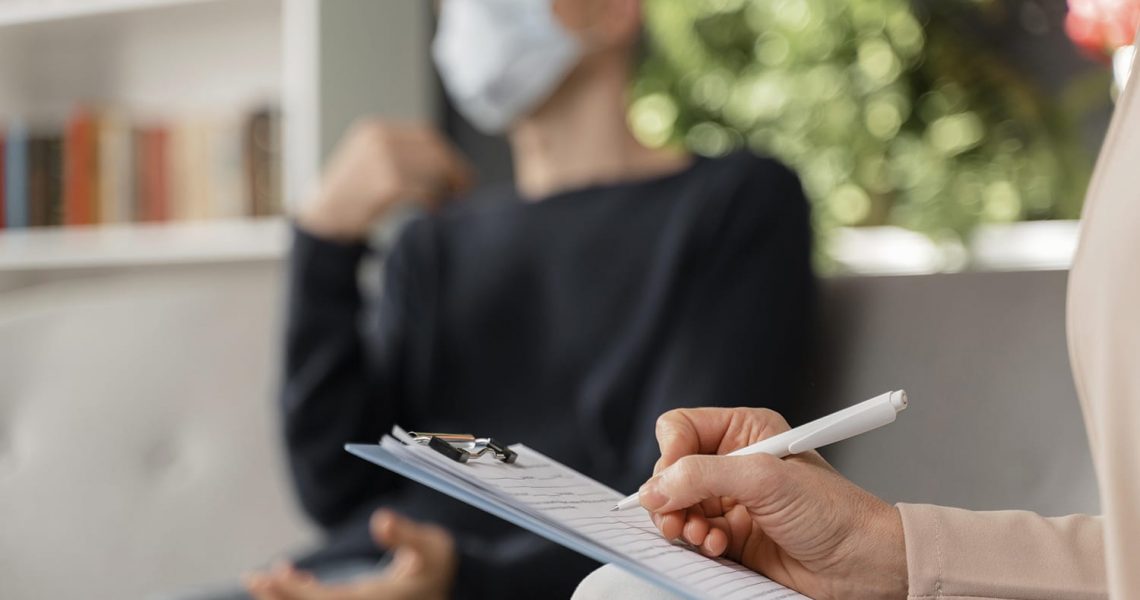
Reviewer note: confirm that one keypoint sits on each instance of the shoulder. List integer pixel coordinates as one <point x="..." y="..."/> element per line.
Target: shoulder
<point x="758" y="189"/>
<point x="755" y="171"/>
<point x="485" y="211"/>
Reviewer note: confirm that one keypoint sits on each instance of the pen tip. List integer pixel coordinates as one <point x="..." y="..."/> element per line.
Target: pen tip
<point x="615" y="508"/>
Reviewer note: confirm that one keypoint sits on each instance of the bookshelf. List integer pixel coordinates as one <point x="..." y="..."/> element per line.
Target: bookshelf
<point x="147" y="244"/>
<point x="320" y="63"/>
<point x="323" y="63"/>
<point x="18" y="12"/>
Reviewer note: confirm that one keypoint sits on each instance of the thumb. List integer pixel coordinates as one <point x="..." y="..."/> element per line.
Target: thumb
<point x="391" y="530"/>
<point x="413" y="544"/>
<point x="699" y="477"/>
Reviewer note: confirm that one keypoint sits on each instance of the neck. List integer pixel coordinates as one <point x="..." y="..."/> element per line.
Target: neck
<point x="581" y="137"/>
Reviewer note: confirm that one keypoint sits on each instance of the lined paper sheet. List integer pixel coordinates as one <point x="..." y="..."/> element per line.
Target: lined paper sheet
<point x="571" y="509"/>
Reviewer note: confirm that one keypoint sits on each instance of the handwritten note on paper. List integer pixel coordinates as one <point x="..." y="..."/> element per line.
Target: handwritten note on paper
<point x="562" y="499"/>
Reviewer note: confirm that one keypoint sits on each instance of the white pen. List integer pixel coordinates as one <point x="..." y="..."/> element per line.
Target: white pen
<point x="836" y="427"/>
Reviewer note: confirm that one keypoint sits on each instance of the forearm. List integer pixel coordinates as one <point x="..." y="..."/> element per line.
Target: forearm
<point x="1014" y="555"/>
<point x="325" y="393"/>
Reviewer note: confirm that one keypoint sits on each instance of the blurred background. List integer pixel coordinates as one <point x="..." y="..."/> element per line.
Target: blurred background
<point x="948" y="119"/>
<point x="952" y="120"/>
<point x="151" y="148"/>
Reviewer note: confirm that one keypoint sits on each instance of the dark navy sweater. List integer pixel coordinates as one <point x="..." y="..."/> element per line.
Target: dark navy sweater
<point x="568" y="324"/>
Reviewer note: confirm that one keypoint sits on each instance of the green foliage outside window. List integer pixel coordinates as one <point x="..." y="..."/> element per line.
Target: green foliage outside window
<point x="888" y="117"/>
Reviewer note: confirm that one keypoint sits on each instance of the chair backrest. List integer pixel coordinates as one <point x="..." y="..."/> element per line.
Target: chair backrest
<point x="139" y="449"/>
<point x="138" y="439"/>
<point x="994" y="421"/>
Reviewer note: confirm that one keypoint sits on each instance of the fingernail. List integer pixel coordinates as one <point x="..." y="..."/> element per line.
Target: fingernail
<point x="650" y="497"/>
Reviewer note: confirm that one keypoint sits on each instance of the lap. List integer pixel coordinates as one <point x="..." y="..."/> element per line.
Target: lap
<point x="331" y="573"/>
<point x="610" y="581"/>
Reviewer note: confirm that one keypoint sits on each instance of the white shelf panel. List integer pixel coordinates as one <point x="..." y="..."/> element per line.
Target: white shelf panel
<point x="143" y="244"/>
<point x="22" y="12"/>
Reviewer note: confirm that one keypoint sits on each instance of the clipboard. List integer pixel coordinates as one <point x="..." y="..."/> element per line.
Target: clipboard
<point x="377" y="455"/>
<point x="577" y="517"/>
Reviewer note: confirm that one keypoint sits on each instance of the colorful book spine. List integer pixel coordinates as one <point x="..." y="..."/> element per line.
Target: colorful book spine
<point x="99" y="167"/>
<point x="16" y="176"/>
<point x="39" y="185"/>
<point x="53" y="168"/>
<point x="45" y="181"/>
<point x="79" y="169"/>
<point x="263" y="163"/>
<point x="138" y="179"/>
<point x="190" y="179"/>
<point x="3" y="186"/>
<point x="154" y="176"/>
<point x="116" y="170"/>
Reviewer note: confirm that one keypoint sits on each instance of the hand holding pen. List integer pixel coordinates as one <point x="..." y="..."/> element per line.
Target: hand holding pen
<point x="795" y="520"/>
<point x="836" y="427"/>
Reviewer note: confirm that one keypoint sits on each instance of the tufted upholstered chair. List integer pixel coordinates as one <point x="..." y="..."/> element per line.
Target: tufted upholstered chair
<point x="138" y="444"/>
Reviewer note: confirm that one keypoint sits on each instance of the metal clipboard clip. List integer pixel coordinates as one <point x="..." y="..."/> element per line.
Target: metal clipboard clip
<point x="462" y="447"/>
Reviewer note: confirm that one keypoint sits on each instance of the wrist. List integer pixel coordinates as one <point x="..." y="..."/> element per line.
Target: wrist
<point x="874" y="557"/>
<point x="888" y="560"/>
<point x="325" y="220"/>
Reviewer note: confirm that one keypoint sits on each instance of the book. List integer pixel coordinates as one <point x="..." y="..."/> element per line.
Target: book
<point x="53" y="169"/>
<point x="110" y="169"/>
<point x="3" y="149"/>
<point x="262" y="159"/>
<point x="79" y="201"/>
<point x="45" y="181"/>
<point x="116" y="169"/>
<point x="552" y="500"/>
<point x="138" y="175"/>
<point x="191" y="178"/>
<point x="16" y="176"/>
<point x="152" y="174"/>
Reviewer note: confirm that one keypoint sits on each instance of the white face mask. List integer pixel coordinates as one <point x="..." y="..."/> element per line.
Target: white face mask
<point x="500" y="59"/>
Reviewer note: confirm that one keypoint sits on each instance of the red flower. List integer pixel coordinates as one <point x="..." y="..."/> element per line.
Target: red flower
<point x="1099" y="27"/>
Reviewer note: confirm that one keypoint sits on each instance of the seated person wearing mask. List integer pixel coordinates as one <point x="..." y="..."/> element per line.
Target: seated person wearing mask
<point x="611" y="283"/>
<point x="802" y="524"/>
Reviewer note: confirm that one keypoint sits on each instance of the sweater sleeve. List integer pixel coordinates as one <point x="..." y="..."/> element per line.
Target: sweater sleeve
<point x="343" y="382"/>
<point x="958" y="554"/>
<point x="331" y="394"/>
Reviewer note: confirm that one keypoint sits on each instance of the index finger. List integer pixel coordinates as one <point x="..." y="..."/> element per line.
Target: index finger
<point x="685" y="431"/>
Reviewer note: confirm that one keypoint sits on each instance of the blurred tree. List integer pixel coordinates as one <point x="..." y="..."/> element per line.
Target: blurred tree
<point x="888" y="115"/>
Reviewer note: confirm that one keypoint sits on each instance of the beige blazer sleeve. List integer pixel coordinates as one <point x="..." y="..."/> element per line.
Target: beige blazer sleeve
<point x="1009" y="555"/>
<point x="1104" y="337"/>
<point x="1018" y="555"/>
